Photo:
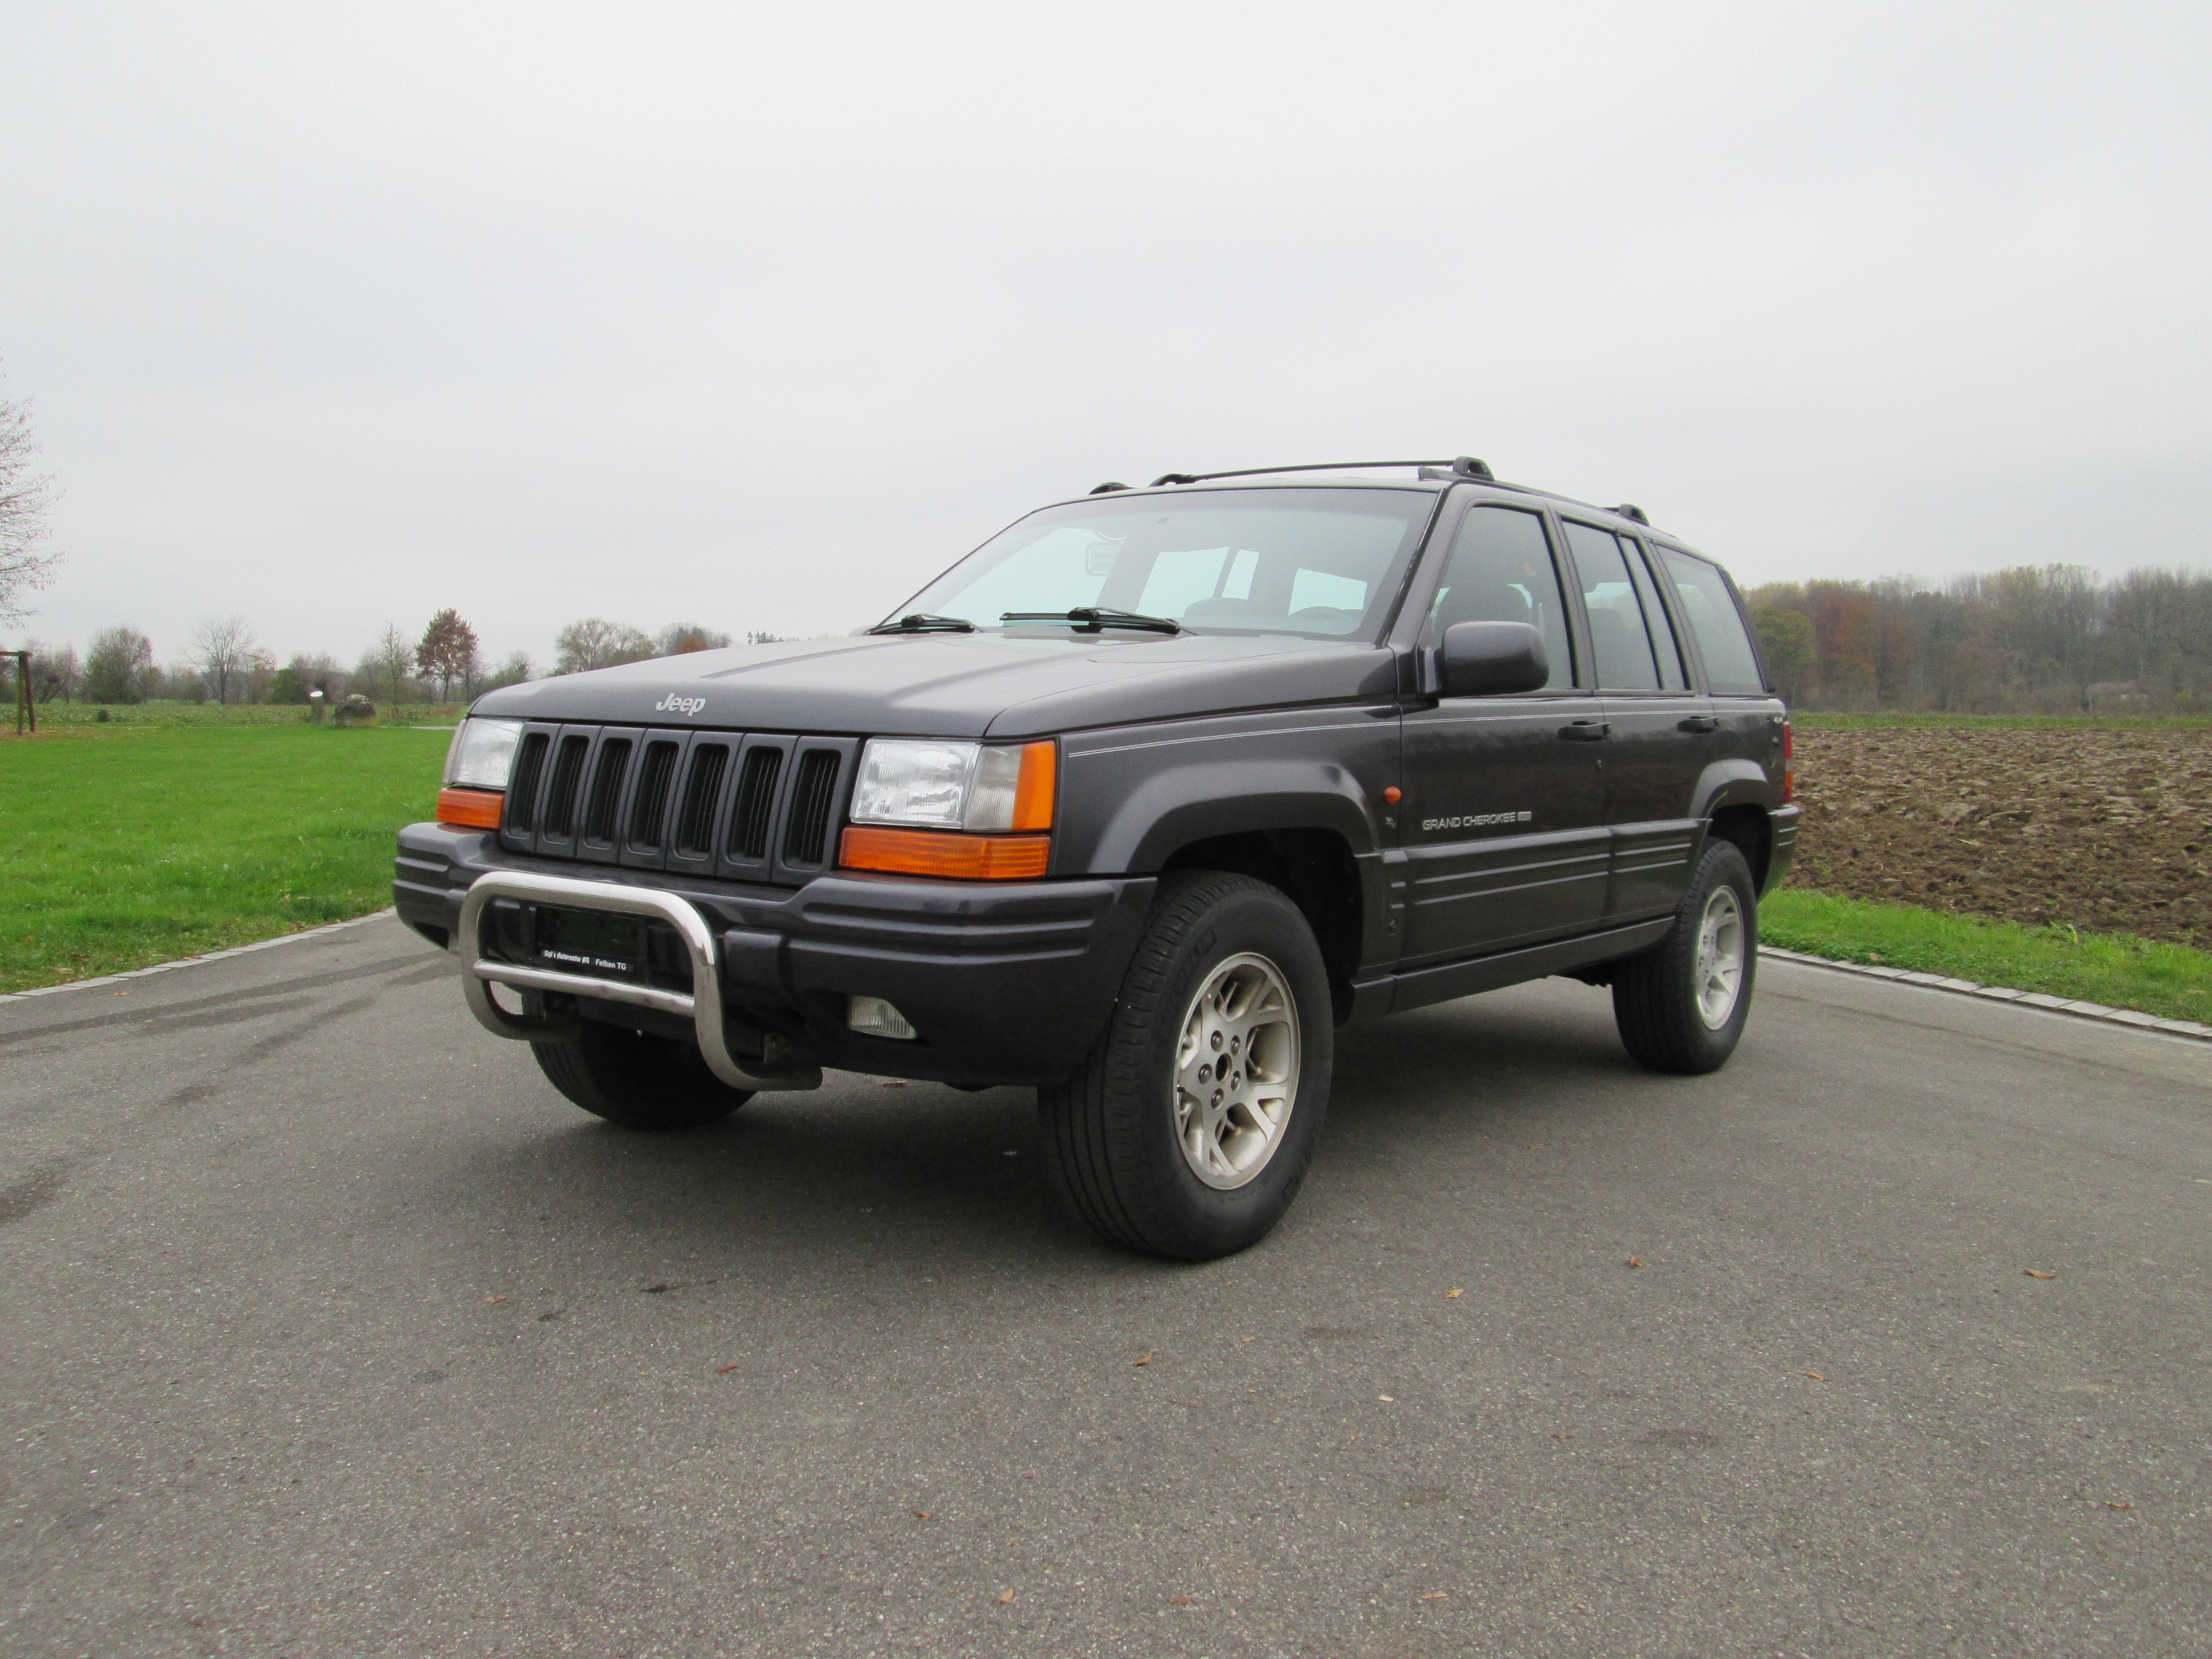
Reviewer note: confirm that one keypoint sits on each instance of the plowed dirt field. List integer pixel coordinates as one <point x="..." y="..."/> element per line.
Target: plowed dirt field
<point x="2104" y="829"/>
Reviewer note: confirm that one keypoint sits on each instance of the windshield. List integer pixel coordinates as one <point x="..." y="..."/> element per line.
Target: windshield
<point x="1326" y="564"/>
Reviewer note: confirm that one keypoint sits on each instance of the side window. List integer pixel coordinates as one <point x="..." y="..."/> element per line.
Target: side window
<point x="1671" y="673"/>
<point x="1618" y="638"/>
<point x="1709" y="609"/>
<point x="1501" y="570"/>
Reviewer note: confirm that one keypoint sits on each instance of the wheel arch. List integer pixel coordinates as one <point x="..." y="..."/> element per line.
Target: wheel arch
<point x="1313" y="867"/>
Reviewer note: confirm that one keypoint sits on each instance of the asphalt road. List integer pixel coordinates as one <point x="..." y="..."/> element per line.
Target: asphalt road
<point x="329" y="1328"/>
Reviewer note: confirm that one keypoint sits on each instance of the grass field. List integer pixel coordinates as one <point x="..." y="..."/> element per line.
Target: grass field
<point x="139" y="842"/>
<point x="2116" y="969"/>
<point x="86" y="719"/>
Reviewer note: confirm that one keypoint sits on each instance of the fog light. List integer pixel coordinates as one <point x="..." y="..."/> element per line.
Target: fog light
<point x="873" y="1017"/>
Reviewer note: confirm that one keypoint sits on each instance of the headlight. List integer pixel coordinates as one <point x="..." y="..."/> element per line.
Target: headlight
<point x="979" y="787"/>
<point x="481" y="753"/>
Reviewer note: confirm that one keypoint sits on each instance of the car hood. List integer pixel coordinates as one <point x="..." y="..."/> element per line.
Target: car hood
<point x="957" y="685"/>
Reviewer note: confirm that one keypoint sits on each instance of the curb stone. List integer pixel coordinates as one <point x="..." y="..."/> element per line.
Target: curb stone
<point x="2128" y="1017"/>
<point x="191" y="962"/>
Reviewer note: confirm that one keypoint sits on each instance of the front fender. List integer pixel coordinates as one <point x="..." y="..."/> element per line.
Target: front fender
<point x="1197" y="802"/>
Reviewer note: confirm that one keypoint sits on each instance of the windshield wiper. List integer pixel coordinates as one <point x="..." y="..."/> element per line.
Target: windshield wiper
<point x="921" y="622"/>
<point x="1090" y="619"/>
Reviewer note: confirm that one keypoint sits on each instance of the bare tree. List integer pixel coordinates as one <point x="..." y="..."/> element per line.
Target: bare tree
<point x="25" y="496"/>
<point x="224" y="650"/>
<point x="680" y="639"/>
<point x="448" y="650"/>
<point x="118" y="667"/>
<point x="54" y="673"/>
<point x="390" y="664"/>
<point x="595" y="643"/>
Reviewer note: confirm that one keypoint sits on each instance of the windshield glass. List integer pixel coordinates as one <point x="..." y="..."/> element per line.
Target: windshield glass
<point x="1326" y="564"/>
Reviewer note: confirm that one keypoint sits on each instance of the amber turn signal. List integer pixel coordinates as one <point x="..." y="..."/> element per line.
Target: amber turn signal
<point x="470" y="809"/>
<point x="945" y="854"/>
<point x="1033" y="791"/>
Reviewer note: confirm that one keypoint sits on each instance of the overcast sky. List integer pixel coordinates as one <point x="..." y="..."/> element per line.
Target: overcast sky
<point x="758" y="316"/>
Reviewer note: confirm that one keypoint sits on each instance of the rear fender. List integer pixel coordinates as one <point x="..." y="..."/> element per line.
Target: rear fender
<point x="1734" y="783"/>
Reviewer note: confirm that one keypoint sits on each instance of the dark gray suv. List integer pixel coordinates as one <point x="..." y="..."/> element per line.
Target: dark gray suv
<point x="1137" y="804"/>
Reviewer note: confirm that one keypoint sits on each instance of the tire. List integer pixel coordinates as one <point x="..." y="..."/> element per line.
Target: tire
<point x="1665" y="999"/>
<point x="1111" y="1129"/>
<point x="637" y="1081"/>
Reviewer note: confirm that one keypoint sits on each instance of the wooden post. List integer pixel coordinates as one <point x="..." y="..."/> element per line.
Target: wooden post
<point x="24" y="706"/>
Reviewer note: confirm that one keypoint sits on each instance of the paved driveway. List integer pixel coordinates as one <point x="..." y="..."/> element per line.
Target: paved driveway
<point x="328" y="1328"/>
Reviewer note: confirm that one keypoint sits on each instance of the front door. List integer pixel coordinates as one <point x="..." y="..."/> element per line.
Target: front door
<point x="1662" y="733"/>
<point x="1504" y="817"/>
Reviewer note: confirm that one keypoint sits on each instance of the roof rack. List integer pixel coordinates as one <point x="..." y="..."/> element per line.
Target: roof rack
<point x="1630" y="510"/>
<point x="1459" y="466"/>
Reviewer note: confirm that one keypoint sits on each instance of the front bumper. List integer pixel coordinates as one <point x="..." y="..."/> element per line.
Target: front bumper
<point x="1008" y="982"/>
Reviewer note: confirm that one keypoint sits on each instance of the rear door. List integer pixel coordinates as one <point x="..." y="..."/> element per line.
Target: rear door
<point x="1661" y="731"/>
<point x="1747" y="718"/>
<point x="1504" y="820"/>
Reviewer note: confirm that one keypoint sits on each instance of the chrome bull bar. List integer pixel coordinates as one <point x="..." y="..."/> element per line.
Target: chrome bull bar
<point x="703" y="1006"/>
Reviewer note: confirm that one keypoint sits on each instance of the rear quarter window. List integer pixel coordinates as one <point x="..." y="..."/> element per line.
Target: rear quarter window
<point x="1710" y="609"/>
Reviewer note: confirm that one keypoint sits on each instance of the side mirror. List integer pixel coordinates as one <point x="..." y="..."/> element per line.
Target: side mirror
<point x="1491" y="660"/>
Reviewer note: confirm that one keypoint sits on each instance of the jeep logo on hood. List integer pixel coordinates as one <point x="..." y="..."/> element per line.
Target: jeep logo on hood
<point x="672" y="704"/>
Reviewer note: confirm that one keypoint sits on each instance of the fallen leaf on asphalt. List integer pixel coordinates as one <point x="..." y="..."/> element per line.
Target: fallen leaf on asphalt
<point x="1563" y="1437"/>
<point x="1178" y="1601"/>
<point x="1247" y="1338"/>
<point x="923" y="1515"/>
<point x="495" y="1298"/>
<point x="1815" y="1376"/>
<point x="1434" y="1595"/>
<point x="1386" y="1400"/>
<point x="2111" y="1505"/>
<point x="1144" y="1360"/>
<point x="723" y="1370"/>
<point x="1449" y="1296"/>
<point x="1636" y="1262"/>
<point x="1005" y="1599"/>
<point x="2038" y="1272"/>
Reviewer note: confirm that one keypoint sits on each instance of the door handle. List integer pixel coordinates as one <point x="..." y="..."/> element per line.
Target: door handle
<point x="1586" y="731"/>
<point x="1699" y="723"/>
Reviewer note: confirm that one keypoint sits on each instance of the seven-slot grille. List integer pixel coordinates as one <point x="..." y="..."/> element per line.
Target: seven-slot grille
<point x="744" y="806"/>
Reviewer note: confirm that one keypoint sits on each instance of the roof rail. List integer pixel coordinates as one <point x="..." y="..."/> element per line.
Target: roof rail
<point x="1630" y="510"/>
<point x="1108" y="488"/>
<point x="1461" y="466"/>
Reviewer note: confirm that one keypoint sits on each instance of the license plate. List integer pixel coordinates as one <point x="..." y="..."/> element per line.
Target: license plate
<point x="591" y="942"/>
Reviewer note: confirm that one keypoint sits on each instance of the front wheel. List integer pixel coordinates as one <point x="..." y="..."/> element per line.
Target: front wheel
<point x="1681" y="1005"/>
<point x="1187" y="1128"/>
<point x="636" y="1080"/>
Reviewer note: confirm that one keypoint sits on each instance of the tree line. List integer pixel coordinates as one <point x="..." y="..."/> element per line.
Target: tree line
<point x="2054" y="639"/>
<point x="224" y="663"/>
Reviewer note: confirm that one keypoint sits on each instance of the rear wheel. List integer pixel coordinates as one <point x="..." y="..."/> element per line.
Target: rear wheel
<point x="1186" y="1130"/>
<point x="636" y="1080"/>
<point x="1681" y="1005"/>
